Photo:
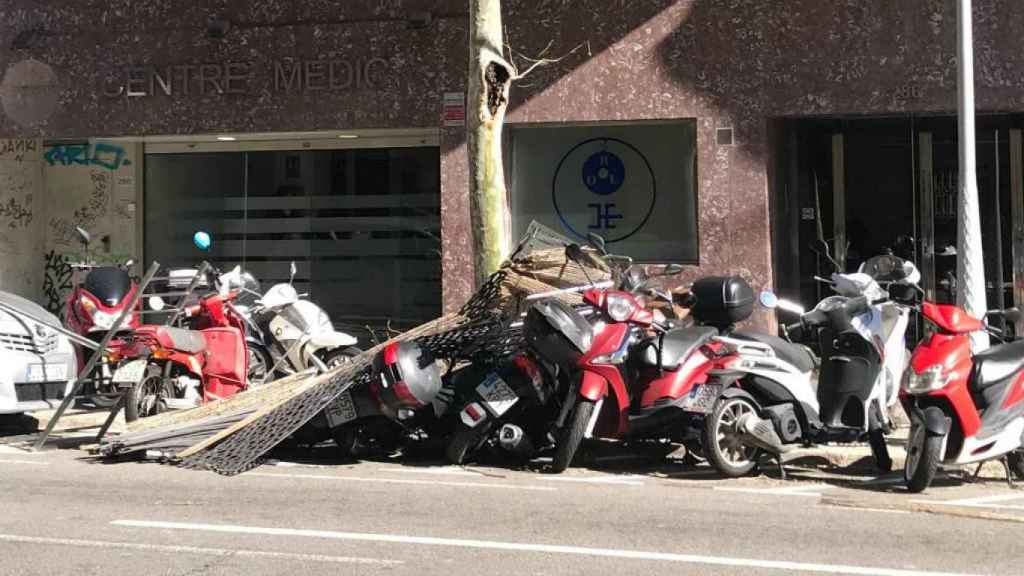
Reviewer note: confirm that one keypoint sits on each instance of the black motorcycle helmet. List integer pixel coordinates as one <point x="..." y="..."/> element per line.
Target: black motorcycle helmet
<point x="406" y="376"/>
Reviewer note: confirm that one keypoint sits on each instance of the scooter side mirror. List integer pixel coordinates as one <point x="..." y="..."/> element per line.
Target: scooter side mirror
<point x="768" y="299"/>
<point x="156" y="303"/>
<point x="292" y="270"/>
<point x="83" y="236"/>
<point x="597" y="242"/>
<point x="129" y="263"/>
<point x="574" y="252"/>
<point x="672" y="270"/>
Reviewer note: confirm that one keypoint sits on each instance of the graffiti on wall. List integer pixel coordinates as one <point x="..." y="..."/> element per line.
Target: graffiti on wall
<point x="16" y="214"/>
<point x="56" y="281"/>
<point x="87" y="215"/>
<point x="17" y="148"/>
<point x="102" y="154"/>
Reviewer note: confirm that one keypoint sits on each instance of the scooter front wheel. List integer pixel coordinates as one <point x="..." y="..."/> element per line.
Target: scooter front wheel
<point x="924" y="453"/>
<point x="723" y="445"/>
<point x="572" y="436"/>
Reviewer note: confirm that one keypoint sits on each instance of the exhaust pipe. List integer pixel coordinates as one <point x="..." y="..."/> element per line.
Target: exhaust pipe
<point x="760" y="433"/>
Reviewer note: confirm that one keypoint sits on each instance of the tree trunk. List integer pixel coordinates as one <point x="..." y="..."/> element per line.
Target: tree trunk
<point x="489" y="79"/>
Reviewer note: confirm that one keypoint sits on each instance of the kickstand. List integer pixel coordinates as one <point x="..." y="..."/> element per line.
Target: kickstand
<point x="977" y="473"/>
<point x="1009" y="473"/>
<point x="778" y="463"/>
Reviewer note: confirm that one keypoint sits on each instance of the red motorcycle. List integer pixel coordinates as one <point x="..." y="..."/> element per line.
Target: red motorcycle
<point x="99" y="296"/>
<point x="172" y="368"/>
<point x="629" y="385"/>
<point x="964" y="407"/>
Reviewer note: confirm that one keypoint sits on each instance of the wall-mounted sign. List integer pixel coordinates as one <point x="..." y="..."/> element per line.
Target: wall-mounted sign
<point x="284" y="75"/>
<point x="454" y="109"/>
<point x="632" y="183"/>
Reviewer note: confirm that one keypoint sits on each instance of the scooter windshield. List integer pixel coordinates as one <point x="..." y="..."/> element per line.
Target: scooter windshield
<point x="109" y="284"/>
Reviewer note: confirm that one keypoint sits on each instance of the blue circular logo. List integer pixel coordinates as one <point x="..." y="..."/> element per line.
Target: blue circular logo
<point x="590" y="193"/>
<point x="603" y="173"/>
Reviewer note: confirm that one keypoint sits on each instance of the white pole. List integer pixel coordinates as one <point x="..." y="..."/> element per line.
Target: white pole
<point x="970" y="259"/>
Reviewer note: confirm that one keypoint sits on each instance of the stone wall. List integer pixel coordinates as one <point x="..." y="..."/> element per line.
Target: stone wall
<point x="117" y="68"/>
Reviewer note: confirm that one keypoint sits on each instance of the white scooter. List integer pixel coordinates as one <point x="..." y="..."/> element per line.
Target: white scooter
<point x="296" y="334"/>
<point x="771" y="401"/>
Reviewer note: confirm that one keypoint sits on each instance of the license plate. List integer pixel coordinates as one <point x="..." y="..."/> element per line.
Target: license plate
<point x="130" y="373"/>
<point x="497" y="396"/>
<point x="702" y="398"/>
<point x="341" y="410"/>
<point x="47" y="372"/>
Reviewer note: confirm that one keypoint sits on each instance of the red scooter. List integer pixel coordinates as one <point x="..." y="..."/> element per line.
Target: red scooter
<point x="171" y="368"/>
<point x="650" y="383"/>
<point x="99" y="296"/>
<point x="964" y="408"/>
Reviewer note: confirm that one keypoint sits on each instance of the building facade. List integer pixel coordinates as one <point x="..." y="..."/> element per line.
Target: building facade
<point x="721" y="135"/>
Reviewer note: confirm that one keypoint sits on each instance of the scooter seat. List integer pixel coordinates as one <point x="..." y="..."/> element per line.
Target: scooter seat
<point x="788" y="352"/>
<point x="678" y="344"/>
<point x="996" y="364"/>
<point x="188" y="341"/>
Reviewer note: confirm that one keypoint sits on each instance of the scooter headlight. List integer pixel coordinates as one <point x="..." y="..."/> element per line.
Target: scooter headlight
<point x="931" y="378"/>
<point x="620" y="307"/>
<point x="102" y="320"/>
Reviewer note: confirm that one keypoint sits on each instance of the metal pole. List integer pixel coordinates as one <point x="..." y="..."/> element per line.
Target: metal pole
<point x="998" y="229"/>
<point x="128" y="311"/>
<point x="970" y="259"/>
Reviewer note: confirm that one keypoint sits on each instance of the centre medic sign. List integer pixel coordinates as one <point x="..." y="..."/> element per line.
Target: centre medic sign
<point x="242" y="77"/>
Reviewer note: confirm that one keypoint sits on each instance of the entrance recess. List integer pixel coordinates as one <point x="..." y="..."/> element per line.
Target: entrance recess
<point x="872" y="184"/>
<point x="360" y="217"/>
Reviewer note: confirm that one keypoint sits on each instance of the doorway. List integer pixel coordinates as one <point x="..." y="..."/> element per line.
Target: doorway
<point x="868" y="185"/>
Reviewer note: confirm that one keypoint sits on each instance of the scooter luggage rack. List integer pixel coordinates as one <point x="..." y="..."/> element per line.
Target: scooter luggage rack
<point x="746" y="346"/>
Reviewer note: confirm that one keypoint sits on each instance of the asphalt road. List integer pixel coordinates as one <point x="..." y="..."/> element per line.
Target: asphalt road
<point x="61" y="513"/>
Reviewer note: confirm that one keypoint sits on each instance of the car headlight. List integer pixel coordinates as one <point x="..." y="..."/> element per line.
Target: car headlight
<point x="931" y="378"/>
<point x="620" y="307"/>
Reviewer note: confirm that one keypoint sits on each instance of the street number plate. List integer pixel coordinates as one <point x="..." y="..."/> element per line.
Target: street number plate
<point x="47" y="372"/>
<point x="498" y="396"/>
<point x="702" y="398"/>
<point x="341" y="410"/>
<point x="130" y="373"/>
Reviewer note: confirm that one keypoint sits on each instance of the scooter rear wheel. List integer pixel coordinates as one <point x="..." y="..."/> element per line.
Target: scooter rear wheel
<point x="722" y="445"/>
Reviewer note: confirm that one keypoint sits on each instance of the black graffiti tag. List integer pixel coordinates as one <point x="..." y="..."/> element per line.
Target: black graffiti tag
<point x="56" y="281"/>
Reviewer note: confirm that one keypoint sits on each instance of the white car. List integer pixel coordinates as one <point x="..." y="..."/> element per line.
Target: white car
<point x="38" y="365"/>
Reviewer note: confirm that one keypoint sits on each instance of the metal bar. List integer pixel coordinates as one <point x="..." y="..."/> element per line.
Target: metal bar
<point x="1017" y="218"/>
<point x="926" y="184"/>
<point x="200" y="274"/>
<point x="998" y="229"/>
<point x="839" y="200"/>
<point x="113" y="414"/>
<point x="76" y="338"/>
<point x="128" y="311"/>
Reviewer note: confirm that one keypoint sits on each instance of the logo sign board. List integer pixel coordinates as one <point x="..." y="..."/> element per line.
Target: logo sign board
<point x="633" y="184"/>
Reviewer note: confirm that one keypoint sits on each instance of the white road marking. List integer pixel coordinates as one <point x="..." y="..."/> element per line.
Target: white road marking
<point x="194" y="550"/>
<point x="406" y="481"/>
<point x="7" y="449"/>
<point x="30" y="462"/>
<point x="812" y="491"/>
<point x="541" y="548"/>
<point x="435" y="471"/>
<point x="980" y="502"/>
<point x="616" y="480"/>
<point x="867" y="509"/>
